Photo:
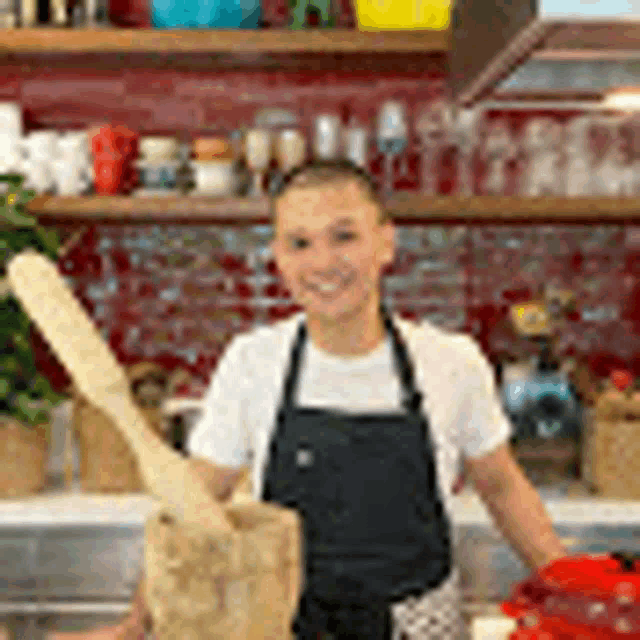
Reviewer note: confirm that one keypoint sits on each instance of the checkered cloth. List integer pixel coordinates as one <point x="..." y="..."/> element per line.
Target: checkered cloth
<point x="437" y="615"/>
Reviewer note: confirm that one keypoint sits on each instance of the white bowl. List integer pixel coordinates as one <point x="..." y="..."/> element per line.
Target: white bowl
<point x="158" y="147"/>
<point x="214" y="178"/>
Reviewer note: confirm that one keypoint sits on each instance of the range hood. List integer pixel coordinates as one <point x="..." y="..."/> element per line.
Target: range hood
<point x="564" y="48"/>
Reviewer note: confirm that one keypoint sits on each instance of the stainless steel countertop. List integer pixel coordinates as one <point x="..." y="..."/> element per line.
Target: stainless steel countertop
<point x="74" y="508"/>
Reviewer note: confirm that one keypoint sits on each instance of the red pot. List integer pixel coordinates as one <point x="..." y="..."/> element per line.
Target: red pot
<point x="586" y="597"/>
<point x="622" y="379"/>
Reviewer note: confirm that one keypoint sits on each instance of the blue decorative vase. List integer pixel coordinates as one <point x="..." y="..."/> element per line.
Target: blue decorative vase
<point x="206" y="14"/>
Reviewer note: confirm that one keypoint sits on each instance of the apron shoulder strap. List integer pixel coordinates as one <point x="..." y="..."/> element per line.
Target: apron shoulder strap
<point x="291" y="377"/>
<point x="411" y="398"/>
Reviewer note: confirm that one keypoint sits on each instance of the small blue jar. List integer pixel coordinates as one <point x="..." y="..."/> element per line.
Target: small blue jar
<point x="206" y="14"/>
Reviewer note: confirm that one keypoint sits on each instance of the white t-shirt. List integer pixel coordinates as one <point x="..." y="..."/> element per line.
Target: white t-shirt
<point x="456" y="380"/>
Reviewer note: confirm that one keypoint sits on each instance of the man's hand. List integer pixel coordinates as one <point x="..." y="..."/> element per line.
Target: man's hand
<point x="220" y="481"/>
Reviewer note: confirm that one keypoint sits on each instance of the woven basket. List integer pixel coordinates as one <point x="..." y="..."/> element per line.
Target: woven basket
<point x="107" y="464"/>
<point x="613" y="445"/>
<point x="23" y="458"/>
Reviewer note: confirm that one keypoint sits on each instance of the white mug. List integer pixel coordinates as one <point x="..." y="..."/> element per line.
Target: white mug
<point x="11" y="152"/>
<point x="70" y="180"/>
<point x="73" y="150"/>
<point x="11" y="118"/>
<point x="75" y="142"/>
<point x="42" y="144"/>
<point x="38" y="174"/>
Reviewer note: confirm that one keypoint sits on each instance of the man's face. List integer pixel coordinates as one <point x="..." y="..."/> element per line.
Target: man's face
<point x="330" y="247"/>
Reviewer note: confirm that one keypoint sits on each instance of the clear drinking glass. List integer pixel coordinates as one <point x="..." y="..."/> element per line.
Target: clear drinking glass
<point x="326" y="136"/>
<point x="356" y="143"/>
<point x="466" y="137"/>
<point x="392" y="136"/>
<point x="433" y="127"/>
<point x="291" y="149"/>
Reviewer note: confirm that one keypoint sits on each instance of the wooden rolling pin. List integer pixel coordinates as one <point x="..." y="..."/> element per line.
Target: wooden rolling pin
<point x="46" y="298"/>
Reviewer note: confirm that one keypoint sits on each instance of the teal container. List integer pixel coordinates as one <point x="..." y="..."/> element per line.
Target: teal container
<point x="206" y="14"/>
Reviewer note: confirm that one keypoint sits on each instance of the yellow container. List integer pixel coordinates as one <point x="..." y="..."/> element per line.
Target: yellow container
<point x="380" y="15"/>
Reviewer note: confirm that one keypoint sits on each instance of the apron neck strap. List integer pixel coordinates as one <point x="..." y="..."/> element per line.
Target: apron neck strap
<point x="411" y="398"/>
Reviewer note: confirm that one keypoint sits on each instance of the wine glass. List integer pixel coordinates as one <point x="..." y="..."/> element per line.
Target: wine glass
<point x="499" y="148"/>
<point x="258" y="154"/>
<point x="432" y="127"/>
<point x="326" y="136"/>
<point x="392" y="137"/>
<point x="356" y="143"/>
<point x="466" y="137"/>
<point x="290" y="151"/>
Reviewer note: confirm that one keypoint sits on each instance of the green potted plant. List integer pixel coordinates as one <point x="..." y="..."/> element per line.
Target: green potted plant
<point x="26" y="397"/>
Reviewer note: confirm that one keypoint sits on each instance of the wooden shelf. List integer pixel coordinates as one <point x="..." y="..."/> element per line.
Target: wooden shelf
<point x="137" y="210"/>
<point x="516" y="210"/>
<point x="404" y="207"/>
<point x="236" y="41"/>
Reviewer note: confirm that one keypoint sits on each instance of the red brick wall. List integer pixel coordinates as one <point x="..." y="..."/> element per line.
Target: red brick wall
<point x="178" y="292"/>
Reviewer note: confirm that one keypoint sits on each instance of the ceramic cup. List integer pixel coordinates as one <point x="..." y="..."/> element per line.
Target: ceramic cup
<point x="11" y="152"/>
<point x="158" y="147"/>
<point x="214" y="178"/>
<point x="158" y="175"/>
<point x="11" y="118"/>
<point x="73" y="151"/>
<point x="39" y="175"/>
<point x="42" y="145"/>
<point x="70" y="180"/>
<point x="75" y="143"/>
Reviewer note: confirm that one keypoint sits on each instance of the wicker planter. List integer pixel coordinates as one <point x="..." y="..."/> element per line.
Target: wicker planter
<point x="23" y="458"/>
<point x="613" y="445"/>
<point x="107" y="464"/>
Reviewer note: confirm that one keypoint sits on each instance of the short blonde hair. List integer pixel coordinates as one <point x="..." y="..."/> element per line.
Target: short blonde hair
<point x="330" y="172"/>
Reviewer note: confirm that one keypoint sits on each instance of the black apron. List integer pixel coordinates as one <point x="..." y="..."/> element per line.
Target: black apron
<point x="375" y="529"/>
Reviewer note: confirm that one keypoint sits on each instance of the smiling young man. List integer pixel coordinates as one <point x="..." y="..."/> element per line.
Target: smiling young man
<point x="358" y="419"/>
